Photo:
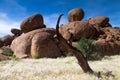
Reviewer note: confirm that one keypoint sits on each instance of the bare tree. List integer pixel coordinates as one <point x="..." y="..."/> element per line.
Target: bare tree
<point x="78" y="54"/>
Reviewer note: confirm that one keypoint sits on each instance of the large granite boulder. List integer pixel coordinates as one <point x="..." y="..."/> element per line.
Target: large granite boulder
<point x="37" y="43"/>
<point x="76" y="30"/>
<point x="31" y="23"/>
<point x="101" y="21"/>
<point x="76" y="14"/>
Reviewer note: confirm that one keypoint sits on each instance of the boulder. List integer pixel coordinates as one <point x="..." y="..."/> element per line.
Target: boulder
<point x="76" y="14"/>
<point x="112" y="34"/>
<point x="109" y="41"/>
<point x="1" y="43"/>
<point x="31" y="23"/>
<point x="16" y="32"/>
<point x="100" y="21"/>
<point x="76" y="30"/>
<point x="44" y="46"/>
<point x="37" y="43"/>
<point x="7" y="40"/>
<point x="108" y="48"/>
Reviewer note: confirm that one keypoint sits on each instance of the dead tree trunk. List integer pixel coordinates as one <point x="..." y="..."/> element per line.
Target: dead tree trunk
<point x="78" y="54"/>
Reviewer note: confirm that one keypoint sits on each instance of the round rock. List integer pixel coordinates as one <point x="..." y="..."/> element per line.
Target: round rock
<point x="33" y="22"/>
<point x="76" y="14"/>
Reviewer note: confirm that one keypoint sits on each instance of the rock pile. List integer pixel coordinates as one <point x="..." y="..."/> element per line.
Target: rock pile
<point x="39" y="41"/>
<point x="97" y="28"/>
<point x="76" y="30"/>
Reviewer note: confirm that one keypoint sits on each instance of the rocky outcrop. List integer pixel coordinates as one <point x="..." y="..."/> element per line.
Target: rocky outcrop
<point x="100" y="21"/>
<point x="37" y="43"/>
<point x="31" y="23"/>
<point x="76" y="14"/>
<point x="43" y="45"/>
<point x="109" y="41"/>
<point x="7" y="40"/>
<point x="76" y="30"/>
<point x="1" y="43"/>
<point x="16" y="32"/>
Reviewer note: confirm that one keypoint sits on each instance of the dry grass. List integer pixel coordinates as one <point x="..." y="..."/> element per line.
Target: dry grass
<point x="58" y="69"/>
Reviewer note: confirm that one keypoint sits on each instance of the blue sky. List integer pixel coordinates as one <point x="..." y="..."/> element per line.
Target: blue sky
<point x="12" y="12"/>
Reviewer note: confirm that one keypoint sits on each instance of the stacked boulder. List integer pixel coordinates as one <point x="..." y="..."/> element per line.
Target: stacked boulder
<point x="76" y="14"/>
<point x="33" y="22"/>
<point x="76" y="30"/>
<point x="97" y="28"/>
<point x="37" y="41"/>
<point x="34" y="39"/>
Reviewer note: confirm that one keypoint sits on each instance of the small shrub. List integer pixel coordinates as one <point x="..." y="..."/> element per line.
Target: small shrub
<point x="7" y="52"/>
<point x="89" y="49"/>
<point x="15" y="58"/>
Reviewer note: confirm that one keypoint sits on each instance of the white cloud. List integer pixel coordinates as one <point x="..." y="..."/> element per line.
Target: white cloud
<point x="6" y="24"/>
<point x="51" y="20"/>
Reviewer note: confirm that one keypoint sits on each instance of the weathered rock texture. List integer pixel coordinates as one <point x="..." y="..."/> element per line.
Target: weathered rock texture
<point x="31" y="23"/>
<point x="76" y="14"/>
<point x="76" y="30"/>
<point x="100" y="21"/>
<point x="37" y="43"/>
<point x="109" y="41"/>
<point x="7" y="40"/>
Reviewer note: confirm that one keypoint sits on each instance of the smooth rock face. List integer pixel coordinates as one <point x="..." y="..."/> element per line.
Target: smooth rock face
<point x="76" y="30"/>
<point x="76" y="14"/>
<point x="37" y="43"/>
<point x="31" y="23"/>
<point x="43" y="46"/>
